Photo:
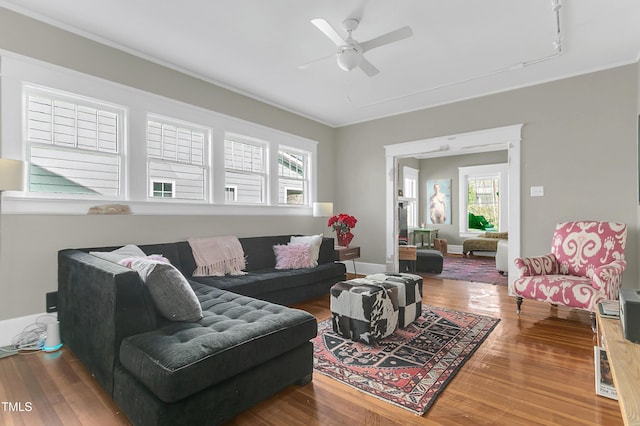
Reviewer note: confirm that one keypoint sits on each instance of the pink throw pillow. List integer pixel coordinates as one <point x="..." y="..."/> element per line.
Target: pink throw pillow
<point x="293" y="256"/>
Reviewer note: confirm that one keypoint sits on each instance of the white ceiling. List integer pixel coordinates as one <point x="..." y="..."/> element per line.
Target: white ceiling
<point x="460" y="48"/>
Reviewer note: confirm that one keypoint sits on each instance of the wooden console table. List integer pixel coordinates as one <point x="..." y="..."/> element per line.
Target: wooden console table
<point x="624" y="360"/>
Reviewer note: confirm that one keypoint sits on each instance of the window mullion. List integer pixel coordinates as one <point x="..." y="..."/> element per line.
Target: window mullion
<point x="97" y="119"/>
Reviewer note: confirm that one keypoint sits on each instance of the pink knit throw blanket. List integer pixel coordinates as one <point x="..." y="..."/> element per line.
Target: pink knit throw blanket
<point x="217" y="256"/>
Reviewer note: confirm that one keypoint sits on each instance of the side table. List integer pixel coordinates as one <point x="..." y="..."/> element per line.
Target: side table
<point x="408" y="253"/>
<point x="431" y="233"/>
<point x="347" y="253"/>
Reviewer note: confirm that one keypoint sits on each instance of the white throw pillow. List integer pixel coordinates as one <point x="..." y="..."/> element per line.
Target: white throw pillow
<point x="130" y="250"/>
<point x="314" y="242"/>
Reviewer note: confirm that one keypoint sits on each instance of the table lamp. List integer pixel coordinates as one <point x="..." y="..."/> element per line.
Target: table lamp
<point x="11" y="179"/>
<point x="322" y="209"/>
<point x="11" y="175"/>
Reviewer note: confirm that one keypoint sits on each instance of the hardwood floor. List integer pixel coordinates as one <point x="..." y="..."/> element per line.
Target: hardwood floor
<point x="532" y="369"/>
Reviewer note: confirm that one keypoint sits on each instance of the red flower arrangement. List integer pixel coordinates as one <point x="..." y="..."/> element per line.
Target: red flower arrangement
<point x="342" y="224"/>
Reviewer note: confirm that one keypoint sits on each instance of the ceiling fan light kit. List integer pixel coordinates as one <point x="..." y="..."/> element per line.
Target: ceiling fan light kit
<point x="350" y="53"/>
<point x="349" y="58"/>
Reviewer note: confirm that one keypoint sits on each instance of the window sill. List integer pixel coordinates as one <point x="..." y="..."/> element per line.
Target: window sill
<point x="471" y="234"/>
<point x="48" y="206"/>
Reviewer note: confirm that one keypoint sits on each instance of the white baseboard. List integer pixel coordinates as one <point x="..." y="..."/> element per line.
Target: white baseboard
<point x="363" y="268"/>
<point x="454" y="249"/>
<point x="12" y="327"/>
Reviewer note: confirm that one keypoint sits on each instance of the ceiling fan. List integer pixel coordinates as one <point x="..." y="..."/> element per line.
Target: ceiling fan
<point x="350" y="52"/>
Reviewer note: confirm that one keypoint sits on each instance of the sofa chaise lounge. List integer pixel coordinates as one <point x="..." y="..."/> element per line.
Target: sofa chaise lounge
<point x="487" y="241"/>
<point x="244" y="348"/>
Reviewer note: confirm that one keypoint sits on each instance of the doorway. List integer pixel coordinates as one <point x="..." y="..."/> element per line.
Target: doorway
<point x="497" y="139"/>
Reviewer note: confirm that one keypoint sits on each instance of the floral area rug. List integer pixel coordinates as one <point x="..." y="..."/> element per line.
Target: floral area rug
<point x="476" y="268"/>
<point x="412" y="366"/>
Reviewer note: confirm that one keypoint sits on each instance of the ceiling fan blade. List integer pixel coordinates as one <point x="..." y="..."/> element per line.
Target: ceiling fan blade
<point x="368" y="68"/>
<point x="329" y="31"/>
<point x="392" y="37"/>
<point x="315" y="61"/>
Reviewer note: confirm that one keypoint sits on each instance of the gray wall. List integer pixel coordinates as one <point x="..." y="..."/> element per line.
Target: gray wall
<point x="28" y="264"/>
<point x="579" y="142"/>
<point x="447" y="168"/>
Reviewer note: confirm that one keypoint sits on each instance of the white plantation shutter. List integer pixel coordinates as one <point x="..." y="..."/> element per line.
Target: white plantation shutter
<point x="177" y="154"/>
<point x="74" y="145"/>
<point x="245" y="169"/>
<point x="64" y="123"/>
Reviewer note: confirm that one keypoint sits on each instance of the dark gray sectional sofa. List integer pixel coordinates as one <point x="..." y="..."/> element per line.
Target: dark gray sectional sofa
<point x="246" y="347"/>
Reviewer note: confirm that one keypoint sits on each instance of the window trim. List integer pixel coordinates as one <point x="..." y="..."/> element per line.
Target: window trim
<point x="500" y="169"/>
<point x="16" y="70"/>
<point x="27" y="90"/>
<point x="413" y="203"/>
<point x="304" y="181"/>
<point x="264" y="176"/>
<point x="205" y="167"/>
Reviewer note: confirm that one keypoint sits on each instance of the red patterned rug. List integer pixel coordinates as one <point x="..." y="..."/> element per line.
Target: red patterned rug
<point x="410" y="367"/>
<point x="475" y="268"/>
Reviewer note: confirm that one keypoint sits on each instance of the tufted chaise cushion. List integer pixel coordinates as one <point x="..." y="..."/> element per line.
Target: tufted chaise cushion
<point x="235" y="334"/>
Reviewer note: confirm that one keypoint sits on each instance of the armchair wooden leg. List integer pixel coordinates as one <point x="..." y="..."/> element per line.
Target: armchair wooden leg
<point x="594" y="326"/>
<point x="518" y="304"/>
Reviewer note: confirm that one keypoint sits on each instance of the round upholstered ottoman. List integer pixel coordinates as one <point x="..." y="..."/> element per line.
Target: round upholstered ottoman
<point x="429" y="261"/>
<point x="502" y="256"/>
<point x="364" y="310"/>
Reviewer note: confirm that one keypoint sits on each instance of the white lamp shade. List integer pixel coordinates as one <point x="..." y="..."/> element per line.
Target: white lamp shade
<point x="349" y="59"/>
<point x="11" y="175"/>
<point x="322" y="209"/>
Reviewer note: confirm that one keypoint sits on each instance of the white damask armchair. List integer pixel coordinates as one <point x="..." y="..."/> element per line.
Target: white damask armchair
<point x="584" y="267"/>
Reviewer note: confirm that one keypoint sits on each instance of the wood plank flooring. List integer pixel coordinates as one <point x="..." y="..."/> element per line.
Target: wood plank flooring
<point x="533" y="369"/>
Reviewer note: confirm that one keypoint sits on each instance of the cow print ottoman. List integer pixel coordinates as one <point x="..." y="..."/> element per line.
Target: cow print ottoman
<point x="364" y="310"/>
<point x="409" y="294"/>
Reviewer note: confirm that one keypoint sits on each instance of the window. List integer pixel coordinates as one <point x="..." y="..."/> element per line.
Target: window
<point x="245" y="169"/>
<point x="74" y="144"/>
<point x="88" y="139"/>
<point x="483" y="200"/>
<point x="410" y="195"/>
<point x="161" y="189"/>
<point x="483" y="193"/>
<point x="292" y="177"/>
<point x="293" y="196"/>
<point x="176" y="153"/>
<point x="231" y="193"/>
